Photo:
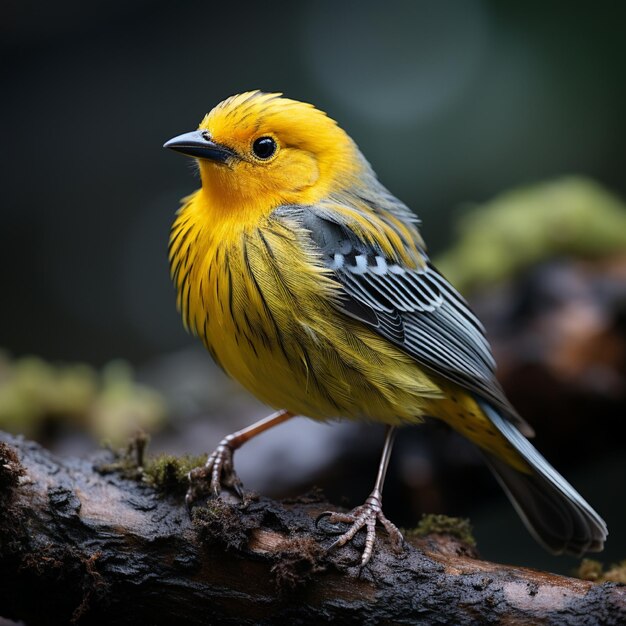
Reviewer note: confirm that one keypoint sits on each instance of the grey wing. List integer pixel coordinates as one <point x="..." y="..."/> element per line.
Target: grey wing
<point x="416" y="309"/>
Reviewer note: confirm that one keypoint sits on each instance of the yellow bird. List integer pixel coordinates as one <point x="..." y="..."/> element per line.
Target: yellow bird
<point x="309" y="283"/>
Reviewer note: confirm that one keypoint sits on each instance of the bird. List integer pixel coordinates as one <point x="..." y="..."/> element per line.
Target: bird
<point x="309" y="282"/>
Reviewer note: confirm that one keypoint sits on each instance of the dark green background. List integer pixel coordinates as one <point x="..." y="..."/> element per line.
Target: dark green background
<point x="451" y="101"/>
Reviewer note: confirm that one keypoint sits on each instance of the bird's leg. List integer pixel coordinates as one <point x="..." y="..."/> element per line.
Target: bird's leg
<point x="369" y="513"/>
<point x="219" y="469"/>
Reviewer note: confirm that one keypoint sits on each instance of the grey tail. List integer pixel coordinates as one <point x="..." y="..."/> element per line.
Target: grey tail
<point x="556" y="515"/>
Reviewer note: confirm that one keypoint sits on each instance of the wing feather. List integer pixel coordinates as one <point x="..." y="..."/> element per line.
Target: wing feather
<point x="410" y="304"/>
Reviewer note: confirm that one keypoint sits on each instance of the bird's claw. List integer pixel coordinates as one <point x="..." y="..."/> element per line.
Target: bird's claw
<point x="217" y="472"/>
<point x="364" y="516"/>
<point x="327" y="531"/>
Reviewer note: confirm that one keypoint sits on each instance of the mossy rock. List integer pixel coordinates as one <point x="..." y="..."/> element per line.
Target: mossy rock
<point x="572" y="216"/>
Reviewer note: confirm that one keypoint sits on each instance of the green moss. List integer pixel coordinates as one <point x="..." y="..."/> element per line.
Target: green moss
<point x="218" y="522"/>
<point x="109" y="403"/>
<point x="127" y="461"/>
<point x="165" y="472"/>
<point x="169" y="473"/>
<point x="443" y="525"/>
<point x="123" y="405"/>
<point x="590" y="569"/>
<point x="571" y="216"/>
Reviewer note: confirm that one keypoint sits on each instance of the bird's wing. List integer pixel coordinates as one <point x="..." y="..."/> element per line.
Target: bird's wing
<point x="407" y="301"/>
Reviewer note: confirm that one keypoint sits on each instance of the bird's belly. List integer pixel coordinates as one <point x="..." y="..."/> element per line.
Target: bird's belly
<point x="324" y="366"/>
<point x="258" y="364"/>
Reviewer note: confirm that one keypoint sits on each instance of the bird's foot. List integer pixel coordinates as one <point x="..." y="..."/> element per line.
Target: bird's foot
<point x="217" y="472"/>
<point x="365" y="516"/>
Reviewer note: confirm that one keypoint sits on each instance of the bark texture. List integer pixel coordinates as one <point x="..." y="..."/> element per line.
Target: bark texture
<point x="81" y="543"/>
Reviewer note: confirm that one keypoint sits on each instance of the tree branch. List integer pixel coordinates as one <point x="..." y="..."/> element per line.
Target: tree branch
<point x="86" y="545"/>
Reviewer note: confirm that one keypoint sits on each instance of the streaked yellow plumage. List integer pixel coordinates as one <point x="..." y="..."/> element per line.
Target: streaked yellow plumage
<point x="221" y="271"/>
<point x="309" y="283"/>
<point x="225" y="241"/>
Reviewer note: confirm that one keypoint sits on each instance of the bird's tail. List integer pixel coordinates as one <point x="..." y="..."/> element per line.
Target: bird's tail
<point x="553" y="511"/>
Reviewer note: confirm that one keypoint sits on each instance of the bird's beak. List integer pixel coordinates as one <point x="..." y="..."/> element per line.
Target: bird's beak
<point x="198" y="144"/>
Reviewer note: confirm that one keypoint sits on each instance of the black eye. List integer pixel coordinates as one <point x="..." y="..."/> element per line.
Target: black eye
<point x="264" y="147"/>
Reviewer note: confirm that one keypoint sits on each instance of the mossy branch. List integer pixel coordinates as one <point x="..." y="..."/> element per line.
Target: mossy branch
<point x="82" y="542"/>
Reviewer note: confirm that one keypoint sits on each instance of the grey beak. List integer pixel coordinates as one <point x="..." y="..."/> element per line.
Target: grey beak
<point x="198" y="144"/>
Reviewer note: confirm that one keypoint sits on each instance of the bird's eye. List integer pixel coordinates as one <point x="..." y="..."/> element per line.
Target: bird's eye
<point x="264" y="147"/>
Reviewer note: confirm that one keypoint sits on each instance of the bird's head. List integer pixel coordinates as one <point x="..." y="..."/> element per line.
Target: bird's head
<point x="262" y="150"/>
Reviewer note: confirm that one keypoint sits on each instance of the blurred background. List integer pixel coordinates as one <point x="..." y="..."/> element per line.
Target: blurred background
<point x="501" y="124"/>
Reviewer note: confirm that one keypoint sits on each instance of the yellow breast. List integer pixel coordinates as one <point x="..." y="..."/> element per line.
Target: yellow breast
<point x="262" y="302"/>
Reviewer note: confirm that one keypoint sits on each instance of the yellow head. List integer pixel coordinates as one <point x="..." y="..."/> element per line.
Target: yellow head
<point x="257" y="151"/>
